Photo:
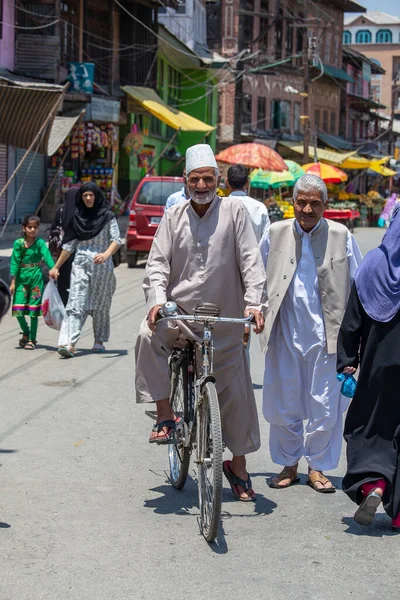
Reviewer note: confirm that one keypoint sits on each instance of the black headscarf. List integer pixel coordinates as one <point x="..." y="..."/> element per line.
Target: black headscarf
<point x="88" y="222"/>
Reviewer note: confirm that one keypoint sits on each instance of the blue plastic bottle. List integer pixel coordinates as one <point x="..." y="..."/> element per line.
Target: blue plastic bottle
<point x="348" y="386"/>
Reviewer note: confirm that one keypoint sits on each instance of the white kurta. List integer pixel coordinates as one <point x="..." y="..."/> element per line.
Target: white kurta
<point x="175" y="198"/>
<point x="300" y="376"/>
<point x="258" y="213"/>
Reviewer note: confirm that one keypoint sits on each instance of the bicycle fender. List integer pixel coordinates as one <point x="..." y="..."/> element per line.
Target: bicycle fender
<point x="206" y="379"/>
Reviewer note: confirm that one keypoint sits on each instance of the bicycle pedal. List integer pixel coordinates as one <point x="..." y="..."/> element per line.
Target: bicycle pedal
<point x="173" y="442"/>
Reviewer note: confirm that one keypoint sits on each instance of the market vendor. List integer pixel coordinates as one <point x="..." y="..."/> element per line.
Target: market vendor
<point x="310" y="263"/>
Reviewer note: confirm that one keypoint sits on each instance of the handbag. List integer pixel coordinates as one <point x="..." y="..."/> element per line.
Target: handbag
<point x="55" y="238"/>
<point x="116" y="257"/>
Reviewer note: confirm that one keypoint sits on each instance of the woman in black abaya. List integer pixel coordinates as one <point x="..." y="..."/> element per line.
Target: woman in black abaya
<point x="63" y="219"/>
<point x="370" y="335"/>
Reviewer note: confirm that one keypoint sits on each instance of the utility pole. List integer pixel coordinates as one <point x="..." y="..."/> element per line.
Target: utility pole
<point x="238" y="113"/>
<point x="80" y="32"/>
<point x="306" y="90"/>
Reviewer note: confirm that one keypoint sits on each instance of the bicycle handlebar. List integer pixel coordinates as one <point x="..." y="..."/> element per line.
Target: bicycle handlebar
<point x="204" y="318"/>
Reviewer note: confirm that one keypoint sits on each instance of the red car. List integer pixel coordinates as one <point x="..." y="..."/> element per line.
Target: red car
<point x="146" y="211"/>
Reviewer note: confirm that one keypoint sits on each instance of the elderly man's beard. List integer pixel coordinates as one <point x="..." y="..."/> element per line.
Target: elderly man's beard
<point x="203" y="197"/>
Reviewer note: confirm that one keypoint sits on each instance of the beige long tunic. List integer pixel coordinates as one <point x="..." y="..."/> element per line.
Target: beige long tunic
<point x="210" y="259"/>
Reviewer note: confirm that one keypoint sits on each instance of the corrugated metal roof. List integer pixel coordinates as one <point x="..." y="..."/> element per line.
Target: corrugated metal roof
<point x="374" y="16"/>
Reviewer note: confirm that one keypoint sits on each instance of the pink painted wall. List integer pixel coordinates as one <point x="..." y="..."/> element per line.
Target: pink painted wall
<point x="7" y="41"/>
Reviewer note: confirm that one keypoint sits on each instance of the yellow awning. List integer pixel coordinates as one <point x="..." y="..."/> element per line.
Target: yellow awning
<point x="381" y="169"/>
<point x="355" y="162"/>
<point x="148" y="99"/>
<point x="329" y="156"/>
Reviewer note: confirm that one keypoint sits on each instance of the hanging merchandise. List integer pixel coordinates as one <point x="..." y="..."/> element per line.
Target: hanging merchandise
<point x="93" y="156"/>
<point x="133" y="142"/>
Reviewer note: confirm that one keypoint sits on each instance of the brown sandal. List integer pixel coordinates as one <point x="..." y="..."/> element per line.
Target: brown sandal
<point x="23" y="340"/>
<point x="317" y="476"/>
<point x="31" y="345"/>
<point x="286" y="473"/>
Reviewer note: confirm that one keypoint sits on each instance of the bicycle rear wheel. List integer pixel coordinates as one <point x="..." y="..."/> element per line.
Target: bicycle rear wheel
<point x="209" y="457"/>
<point x="178" y="453"/>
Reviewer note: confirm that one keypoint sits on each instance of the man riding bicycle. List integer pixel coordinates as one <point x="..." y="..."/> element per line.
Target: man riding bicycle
<point x="204" y="250"/>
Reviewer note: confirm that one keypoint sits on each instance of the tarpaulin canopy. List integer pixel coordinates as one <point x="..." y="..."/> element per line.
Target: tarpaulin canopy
<point x="336" y="158"/>
<point x="24" y="108"/>
<point x="381" y="169"/>
<point x="147" y="100"/>
<point x="59" y="132"/>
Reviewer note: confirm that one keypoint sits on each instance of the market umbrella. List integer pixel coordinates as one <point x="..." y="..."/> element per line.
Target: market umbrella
<point x="254" y="156"/>
<point x="296" y="170"/>
<point x="271" y="179"/>
<point x="328" y="173"/>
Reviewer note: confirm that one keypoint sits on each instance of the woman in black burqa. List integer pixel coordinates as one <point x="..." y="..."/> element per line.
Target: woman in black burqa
<point x="370" y="335"/>
<point x="64" y="217"/>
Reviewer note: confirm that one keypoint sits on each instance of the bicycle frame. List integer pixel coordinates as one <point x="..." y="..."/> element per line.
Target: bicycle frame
<point x="207" y="353"/>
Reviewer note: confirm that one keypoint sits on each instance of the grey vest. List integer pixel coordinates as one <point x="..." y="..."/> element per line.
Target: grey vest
<point x="329" y="246"/>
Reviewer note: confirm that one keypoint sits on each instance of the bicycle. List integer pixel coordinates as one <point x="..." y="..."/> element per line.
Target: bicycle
<point x="194" y="399"/>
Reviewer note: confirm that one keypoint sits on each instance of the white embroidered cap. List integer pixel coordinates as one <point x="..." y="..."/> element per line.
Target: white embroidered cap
<point x="200" y="156"/>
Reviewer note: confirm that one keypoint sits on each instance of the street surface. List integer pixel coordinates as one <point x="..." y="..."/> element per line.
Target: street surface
<point x="87" y="512"/>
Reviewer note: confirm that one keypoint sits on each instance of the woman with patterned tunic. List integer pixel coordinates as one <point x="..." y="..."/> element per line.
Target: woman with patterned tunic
<point x="94" y="237"/>
<point x="27" y="280"/>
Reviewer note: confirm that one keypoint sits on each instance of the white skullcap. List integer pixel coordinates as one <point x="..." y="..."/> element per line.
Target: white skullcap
<point x="200" y="156"/>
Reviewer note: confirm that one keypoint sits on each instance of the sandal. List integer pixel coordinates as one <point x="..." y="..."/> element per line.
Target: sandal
<point x="66" y="351"/>
<point x="286" y="473"/>
<point x="365" y="513"/>
<point x="317" y="476"/>
<point x="165" y="438"/>
<point x="234" y="481"/>
<point x="98" y="348"/>
<point x="23" y="340"/>
<point x="31" y="345"/>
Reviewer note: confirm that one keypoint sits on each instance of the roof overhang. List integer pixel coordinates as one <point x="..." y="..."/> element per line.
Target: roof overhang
<point x="178" y="53"/>
<point x="25" y="106"/>
<point x="145" y="100"/>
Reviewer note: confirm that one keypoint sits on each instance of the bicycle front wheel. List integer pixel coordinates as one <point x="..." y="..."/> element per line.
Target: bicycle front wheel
<point x="209" y="457"/>
<point x="178" y="453"/>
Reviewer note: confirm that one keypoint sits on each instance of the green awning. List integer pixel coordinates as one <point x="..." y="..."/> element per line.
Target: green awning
<point x="337" y="73"/>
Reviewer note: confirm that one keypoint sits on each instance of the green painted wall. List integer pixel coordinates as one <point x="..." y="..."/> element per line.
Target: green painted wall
<point x="194" y="92"/>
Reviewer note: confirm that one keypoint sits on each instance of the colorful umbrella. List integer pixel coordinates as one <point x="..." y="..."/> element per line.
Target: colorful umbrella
<point x="296" y="170"/>
<point x="271" y="179"/>
<point x="254" y="156"/>
<point x="328" y="173"/>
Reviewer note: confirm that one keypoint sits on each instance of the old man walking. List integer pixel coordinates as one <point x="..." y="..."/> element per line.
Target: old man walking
<point x="310" y="263"/>
<point x="205" y="250"/>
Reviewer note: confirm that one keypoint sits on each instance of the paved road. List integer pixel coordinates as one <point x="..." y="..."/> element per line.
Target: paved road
<point x="87" y="513"/>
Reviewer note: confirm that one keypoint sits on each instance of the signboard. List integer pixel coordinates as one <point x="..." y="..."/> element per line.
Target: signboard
<point x="103" y="110"/>
<point x="81" y="76"/>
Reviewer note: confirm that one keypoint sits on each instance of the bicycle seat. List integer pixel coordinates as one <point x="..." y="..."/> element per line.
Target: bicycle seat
<point x="207" y="309"/>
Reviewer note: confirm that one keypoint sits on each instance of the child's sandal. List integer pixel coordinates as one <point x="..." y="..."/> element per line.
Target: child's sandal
<point x="31" y="345"/>
<point x="24" y="340"/>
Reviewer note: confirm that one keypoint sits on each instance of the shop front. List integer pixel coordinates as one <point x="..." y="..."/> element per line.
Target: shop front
<point x="90" y="151"/>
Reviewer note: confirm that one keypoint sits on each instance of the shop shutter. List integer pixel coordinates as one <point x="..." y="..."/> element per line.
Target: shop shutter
<point x="3" y="180"/>
<point x="33" y="184"/>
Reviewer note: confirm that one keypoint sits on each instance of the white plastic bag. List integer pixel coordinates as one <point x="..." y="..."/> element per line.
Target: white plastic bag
<point x="52" y="306"/>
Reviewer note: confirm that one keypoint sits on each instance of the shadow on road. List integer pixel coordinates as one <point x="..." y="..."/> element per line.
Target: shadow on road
<point x="81" y="353"/>
<point x="6" y="451"/>
<point x="172" y="501"/>
<point x="381" y="527"/>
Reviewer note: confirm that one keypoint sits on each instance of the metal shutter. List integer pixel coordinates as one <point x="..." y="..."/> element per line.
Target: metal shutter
<point x="33" y="183"/>
<point x="3" y="179"/>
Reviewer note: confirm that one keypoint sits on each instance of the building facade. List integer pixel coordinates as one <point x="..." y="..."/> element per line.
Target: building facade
<point x="377" y="35"/>
<point x="99" y="47"/>
<point x="269" y="41"/>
